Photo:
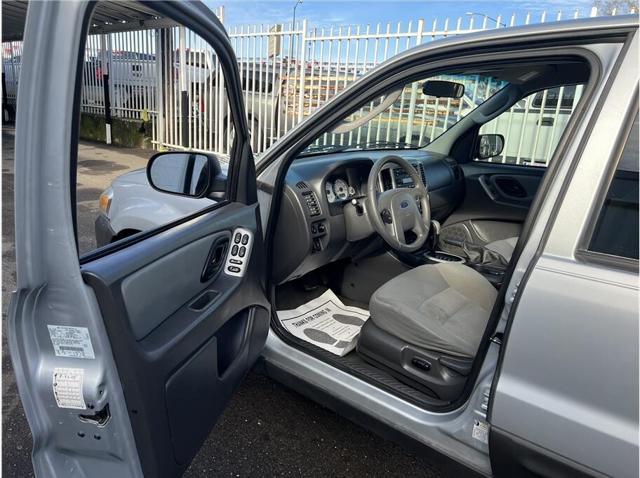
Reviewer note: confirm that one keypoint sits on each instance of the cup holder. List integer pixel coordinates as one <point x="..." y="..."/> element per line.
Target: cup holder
<point x="440" y="256"/>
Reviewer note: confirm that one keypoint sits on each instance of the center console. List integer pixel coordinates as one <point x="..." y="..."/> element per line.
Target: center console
<point x="441" y="256"/>
<point x="430" y="254"/>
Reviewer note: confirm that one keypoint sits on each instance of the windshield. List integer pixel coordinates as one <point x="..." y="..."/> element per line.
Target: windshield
<point x="406" y="118"/>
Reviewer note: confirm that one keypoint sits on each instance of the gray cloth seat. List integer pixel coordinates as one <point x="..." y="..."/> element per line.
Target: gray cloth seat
<point x="439" y="307"/>
<point x="503" y="247"/>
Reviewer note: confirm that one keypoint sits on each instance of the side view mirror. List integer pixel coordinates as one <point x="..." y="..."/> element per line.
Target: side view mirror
<point x="189" y="174"/>
<point x="442" y="89"/>
<point x="489" y="145"/>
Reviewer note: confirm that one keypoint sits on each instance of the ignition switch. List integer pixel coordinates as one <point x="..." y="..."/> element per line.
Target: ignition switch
<point x="358" y="206"/>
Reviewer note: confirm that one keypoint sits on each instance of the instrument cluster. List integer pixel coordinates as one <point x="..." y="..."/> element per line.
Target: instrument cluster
<point x="339" y="190"/>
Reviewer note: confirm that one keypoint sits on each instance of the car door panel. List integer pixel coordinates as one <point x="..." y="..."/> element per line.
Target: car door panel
<point x="181" y="345"/>
<point x="496" y="202"/>
<point x="558" y="327"/>
<point x="166" y="334"/>
<point x="565" y="394"/>
<point x="150" y="294"/>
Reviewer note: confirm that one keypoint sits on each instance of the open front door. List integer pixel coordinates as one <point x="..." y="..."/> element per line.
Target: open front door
<point x="126" y="356"/>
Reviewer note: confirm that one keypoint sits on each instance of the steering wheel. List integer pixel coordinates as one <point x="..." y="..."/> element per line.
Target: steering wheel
<point x="395" y="212"/>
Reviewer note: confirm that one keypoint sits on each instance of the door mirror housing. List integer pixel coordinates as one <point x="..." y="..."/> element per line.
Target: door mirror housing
<point x="489" y="146"/>
<point x="442" y="89"/>
<point x="189" y="174"/>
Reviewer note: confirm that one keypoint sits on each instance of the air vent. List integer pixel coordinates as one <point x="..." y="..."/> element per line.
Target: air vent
<point x="302" y="185"/>
<point x="420" y="168"/>
<point x="403" y="179"/>
<point x="312" y="203"/>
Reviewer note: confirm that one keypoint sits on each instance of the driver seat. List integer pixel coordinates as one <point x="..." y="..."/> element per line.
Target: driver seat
<point x="426" y="325"/>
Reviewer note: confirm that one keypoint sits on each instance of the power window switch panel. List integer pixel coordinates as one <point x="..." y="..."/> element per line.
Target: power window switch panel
<point x="233" y="266"/>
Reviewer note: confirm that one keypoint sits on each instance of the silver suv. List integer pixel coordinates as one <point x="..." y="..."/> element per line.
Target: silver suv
<point x="484" y="309"/>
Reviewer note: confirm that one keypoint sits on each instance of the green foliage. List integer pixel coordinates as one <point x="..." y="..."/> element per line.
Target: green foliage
<point x="127" y="133"/>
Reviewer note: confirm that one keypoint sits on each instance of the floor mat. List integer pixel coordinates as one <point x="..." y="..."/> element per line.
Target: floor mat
<point x="325" y="322"/>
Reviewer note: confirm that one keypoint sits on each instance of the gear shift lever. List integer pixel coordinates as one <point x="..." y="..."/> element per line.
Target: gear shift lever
<point x="435" y="235"/>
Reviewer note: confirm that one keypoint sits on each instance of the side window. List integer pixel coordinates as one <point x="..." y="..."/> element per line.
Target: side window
<point x="144" y="91"/>
<point x="616" y="231"/>
<point x="533" y="127"/>
<point x="565" y="95"/>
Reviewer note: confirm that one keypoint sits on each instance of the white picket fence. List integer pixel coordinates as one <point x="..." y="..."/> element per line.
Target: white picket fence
<point x="171" y="79"/>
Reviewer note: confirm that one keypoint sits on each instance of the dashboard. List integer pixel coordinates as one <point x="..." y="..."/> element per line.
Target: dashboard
<point x="323" y="216"/>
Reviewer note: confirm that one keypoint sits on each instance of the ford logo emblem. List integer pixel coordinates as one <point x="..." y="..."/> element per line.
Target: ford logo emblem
<point x="404" y="204"/>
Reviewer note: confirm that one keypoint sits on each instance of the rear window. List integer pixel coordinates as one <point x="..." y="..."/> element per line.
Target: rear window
<point x="616" y="231"/>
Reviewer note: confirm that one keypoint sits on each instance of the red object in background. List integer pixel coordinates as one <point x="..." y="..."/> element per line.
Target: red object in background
<point x="98" y="73"/>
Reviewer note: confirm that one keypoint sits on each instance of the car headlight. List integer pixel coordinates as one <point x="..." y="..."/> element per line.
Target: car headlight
<point x="105" y="200"/>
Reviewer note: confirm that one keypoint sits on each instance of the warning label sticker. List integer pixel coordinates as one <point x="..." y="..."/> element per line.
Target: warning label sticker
<point x="480" y="431"/>
<point x="72" y="342"/>
<point x="67" y="387"/>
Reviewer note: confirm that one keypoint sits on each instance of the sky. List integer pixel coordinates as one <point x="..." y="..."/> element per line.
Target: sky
<point x="335" y="12"/>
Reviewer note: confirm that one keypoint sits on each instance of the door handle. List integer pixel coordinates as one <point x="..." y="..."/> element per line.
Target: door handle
<point x="504" y="190"/>
<point x="511" y="188"/>
<point x="488" y="187"/>
<point x="215" y="259"/>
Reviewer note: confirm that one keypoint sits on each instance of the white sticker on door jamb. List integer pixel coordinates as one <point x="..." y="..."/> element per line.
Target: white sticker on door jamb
<point x="67" y="387"/>
<point x="481" y="431"/>
<point x="73" y="342"/>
